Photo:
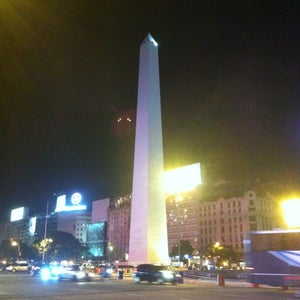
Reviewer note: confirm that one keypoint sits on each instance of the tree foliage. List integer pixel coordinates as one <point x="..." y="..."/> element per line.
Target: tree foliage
<point x="65" y="247"/>
<point x="185" y="249"/>
<point x="60" y="246"/>
<point x="223" y="251"/>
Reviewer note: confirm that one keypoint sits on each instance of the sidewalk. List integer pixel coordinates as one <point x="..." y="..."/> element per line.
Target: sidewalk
<point x="213" y="281"/>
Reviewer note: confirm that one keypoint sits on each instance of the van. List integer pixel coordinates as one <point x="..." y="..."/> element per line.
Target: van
<point x="18" y="267"/>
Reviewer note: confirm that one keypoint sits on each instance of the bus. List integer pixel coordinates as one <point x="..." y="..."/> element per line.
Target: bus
<point x="273" y="257"/>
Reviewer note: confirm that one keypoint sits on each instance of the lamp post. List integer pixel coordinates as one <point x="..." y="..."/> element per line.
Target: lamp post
<point x="45" y="234"/>
<point x="178" y="199"/>
<point x="110" y="249"/>
<point x="179" y="219"/>
<point x="15" y="244"/>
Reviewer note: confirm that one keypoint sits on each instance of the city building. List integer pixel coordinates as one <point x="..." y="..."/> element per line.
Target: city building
<point x="183" y="219"/>
<point x="223" y="213"/>
<point x="118" y="226"/>
<point x="218" y="213"/>
<point x="75" y="223"/>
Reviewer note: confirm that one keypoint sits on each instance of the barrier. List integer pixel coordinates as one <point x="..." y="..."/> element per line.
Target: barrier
<point x="221" y="279"/>
<point x="180" y="278"/>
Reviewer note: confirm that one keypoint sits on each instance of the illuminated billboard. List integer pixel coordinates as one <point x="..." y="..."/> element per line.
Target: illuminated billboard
<point x="182" y="179"/>
<point x="291" y="210"/>
<point x="18" y="214"/>
<point x="96" y="237"/>
<point x="32" y="226"/>
<point x="73" y="203"/>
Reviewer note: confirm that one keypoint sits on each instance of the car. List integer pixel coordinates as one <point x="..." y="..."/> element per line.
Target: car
<point x="34" y="269"/>
<point x="74" y="272"/>
<point x="155" y="273"/>
<point x="18" y="267"/>
<point x="44" y="270"/>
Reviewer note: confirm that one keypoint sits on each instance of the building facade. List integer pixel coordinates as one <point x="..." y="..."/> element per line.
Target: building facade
<point x="118" y="226"/>
<point x="202" y="217"/>
<point x="223" y="213"/>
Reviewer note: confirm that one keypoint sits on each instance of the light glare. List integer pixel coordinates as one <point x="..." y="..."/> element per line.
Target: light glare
<point x="291" y="210"/>
<point x="182" y="179"/>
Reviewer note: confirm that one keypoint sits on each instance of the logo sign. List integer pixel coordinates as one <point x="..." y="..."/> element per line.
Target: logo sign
<point x="61" y="203"/>
<point x="76" y="198"/>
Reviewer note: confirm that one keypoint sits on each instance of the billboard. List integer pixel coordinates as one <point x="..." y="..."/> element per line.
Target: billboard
<point x="96" y="237"/>
<point x="32" y="226"/>
<point x="18" y="214"/>
<point x="182" y="179"/>
<point x="70" y="203"/>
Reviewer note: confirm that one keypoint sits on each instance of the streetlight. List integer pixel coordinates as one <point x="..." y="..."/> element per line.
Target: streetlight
<point x="110" y="248"/>
<point x="15" y="244"/>
<point x="215" y="249"/>
<point x="179" y="218"/>
<point x="44" y="244"/>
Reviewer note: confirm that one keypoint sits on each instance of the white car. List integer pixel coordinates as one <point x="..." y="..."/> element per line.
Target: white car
<point x="73" y="272"/>
<point x="18" y="267"/>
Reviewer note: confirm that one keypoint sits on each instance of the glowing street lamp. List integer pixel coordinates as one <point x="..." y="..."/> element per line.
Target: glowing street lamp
<point x="110" y="248"/>
<point x="291" y="210"/>
<point x="15" y="244"/>
<point x="215" y="249"/>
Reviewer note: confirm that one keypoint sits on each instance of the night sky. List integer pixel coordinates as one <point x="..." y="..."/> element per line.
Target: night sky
<point x="230" y="92"/>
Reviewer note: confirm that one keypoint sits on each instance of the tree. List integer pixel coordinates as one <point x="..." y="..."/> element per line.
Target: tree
<point x="6" y="250"/>
<point x="9" y="252"/>
<point x="66" y="247"/>
<point x="185" y="249"/>
<point x="61" y="246"/>
<point x="220" y="253"/>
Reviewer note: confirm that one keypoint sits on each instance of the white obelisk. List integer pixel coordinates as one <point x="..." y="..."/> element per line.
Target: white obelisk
<point x="148" y="227"/>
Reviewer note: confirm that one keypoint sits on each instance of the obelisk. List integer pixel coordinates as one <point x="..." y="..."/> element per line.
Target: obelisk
<point x="148" y="227"/>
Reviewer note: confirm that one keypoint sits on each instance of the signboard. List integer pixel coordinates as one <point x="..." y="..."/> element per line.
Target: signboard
<point x="18" y="214"/>
<point x="32" y="226"/>
<point x="182" y="179"/>
<point x="74" y="203"/>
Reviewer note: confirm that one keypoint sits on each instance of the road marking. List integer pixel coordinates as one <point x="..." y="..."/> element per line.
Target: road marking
<point x="137" y="295"/>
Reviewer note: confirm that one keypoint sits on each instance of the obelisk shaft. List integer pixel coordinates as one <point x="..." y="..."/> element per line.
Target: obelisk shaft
<point x="148" y="228"/>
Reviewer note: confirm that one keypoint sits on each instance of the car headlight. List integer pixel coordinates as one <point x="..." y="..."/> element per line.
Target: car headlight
<point x="55" y="271"/>
<point x="167" y="274"/>
<point x="80" y="275"/>
<point x="45" y="273"/>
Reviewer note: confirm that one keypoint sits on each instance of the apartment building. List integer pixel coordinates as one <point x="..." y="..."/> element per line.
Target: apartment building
<point x="74" y="223"/>
<point x="223" y="213"/>
<point x="118" y="226"/>
<point x="228" y="220"/>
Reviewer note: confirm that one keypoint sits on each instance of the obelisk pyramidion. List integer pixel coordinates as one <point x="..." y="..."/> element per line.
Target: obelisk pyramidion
<point x="148" y="227"/>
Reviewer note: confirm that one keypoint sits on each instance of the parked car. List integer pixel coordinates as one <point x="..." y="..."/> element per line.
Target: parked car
<point x="75" y="273"/>
<point x="18" y="267"/>
<point x="155" y="273"/>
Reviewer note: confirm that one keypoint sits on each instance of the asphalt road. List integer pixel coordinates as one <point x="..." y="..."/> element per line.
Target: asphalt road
<point x="22" y="286"/>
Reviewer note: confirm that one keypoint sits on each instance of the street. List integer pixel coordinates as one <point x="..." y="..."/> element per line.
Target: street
<point x="22" y="286"/>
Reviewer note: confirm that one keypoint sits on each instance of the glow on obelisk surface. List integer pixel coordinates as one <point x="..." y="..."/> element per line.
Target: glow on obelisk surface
<point x="148" y="227"/>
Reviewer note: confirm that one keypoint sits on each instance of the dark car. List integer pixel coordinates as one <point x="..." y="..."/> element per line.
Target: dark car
<point x="155" y="273"/>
